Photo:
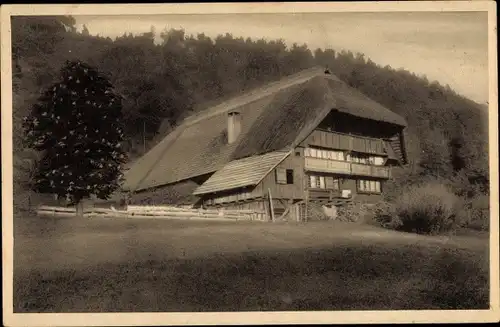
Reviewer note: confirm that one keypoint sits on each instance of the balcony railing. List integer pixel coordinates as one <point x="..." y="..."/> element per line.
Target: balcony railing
<point x="323" y="194"/>
<point x="342" y="141"/>
<point x="328" y="165"/>
<point x="345" y="167"/>
<point x="370" y="170"/>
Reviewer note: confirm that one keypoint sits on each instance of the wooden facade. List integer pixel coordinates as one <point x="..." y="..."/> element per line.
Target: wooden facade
<point x="308" y="137"/>
<point x="340" y="165"/>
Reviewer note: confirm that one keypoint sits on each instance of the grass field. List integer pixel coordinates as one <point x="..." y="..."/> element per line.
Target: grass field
<point x="102" y="265"/>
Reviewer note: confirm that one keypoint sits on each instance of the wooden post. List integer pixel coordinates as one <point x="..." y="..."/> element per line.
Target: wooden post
<point x="271" y="207"/>
<point x="79" y="208"/>
<point x="305" y="206"/>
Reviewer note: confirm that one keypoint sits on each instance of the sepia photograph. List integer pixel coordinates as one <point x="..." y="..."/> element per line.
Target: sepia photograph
<point x="250" y="159"/>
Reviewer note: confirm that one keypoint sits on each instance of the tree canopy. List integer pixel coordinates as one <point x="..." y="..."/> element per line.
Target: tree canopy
<point x="77" y="127"/>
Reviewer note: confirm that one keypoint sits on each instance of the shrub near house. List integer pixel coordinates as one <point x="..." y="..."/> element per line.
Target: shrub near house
<point x="429" y="208"/>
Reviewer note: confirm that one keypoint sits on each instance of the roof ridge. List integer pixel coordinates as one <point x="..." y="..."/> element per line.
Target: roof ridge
<point x="259" y="91"/>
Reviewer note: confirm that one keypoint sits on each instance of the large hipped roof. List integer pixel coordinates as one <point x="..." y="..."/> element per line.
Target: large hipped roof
<point x="274" y="117"/>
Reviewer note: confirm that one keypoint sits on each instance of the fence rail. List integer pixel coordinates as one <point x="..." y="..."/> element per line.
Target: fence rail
<point x="161" y="212"/>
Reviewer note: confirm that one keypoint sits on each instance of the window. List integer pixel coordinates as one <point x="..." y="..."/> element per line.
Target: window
<point x="317" y="181"/>
<point x="323" y="182"/>
<point x="281" y="177"/>
<point x="289" y="176"/>
<point x="336" y="184"/>
<point x="284" y="176"/>
<point x="365" y="159"/>
<point x="367" y="186"/>
<point x="297" y="153"/>
<point x="312" y="181"/>
<point x="378" y="161"/>
<point x="324" y="154"/>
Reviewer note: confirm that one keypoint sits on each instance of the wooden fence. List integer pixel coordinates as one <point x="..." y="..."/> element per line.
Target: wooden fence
<point x="160" y="212"/>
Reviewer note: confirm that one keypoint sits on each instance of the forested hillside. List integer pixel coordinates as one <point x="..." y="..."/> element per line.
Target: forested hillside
<point x="162" y="83"/>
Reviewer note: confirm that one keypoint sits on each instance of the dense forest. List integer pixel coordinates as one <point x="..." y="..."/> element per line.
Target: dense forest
<point x="161" y="83"/>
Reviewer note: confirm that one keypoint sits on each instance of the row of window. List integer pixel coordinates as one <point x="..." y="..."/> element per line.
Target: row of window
<point x="340" y="155"/>
<point x="369" y="186"/>
<point x="323" y="182"/>
<point x="331" y="183"/>
<point x="285" y="176"/>
<point x="324" y="154"/>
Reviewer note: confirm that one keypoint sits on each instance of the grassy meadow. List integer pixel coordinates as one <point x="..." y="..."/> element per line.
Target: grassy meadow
<point x="123" y="265"/>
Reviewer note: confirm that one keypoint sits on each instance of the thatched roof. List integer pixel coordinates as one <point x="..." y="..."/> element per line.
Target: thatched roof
<point x="275" y="117"/>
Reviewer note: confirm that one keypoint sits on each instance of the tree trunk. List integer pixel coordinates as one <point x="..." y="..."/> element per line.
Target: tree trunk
<point x="79" y="209"/>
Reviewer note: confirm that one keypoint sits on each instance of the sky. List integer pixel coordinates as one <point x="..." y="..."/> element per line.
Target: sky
<point x="450" y="47"/>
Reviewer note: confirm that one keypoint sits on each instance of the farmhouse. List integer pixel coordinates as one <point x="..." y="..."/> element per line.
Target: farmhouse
<point x="308" y="137"/>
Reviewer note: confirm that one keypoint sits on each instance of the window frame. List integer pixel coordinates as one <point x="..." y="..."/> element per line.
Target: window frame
<point x="289" y="173"/>
<point x="367" y="186"/>
<point x="324" y="153"/>
<point x="316" y="181"/>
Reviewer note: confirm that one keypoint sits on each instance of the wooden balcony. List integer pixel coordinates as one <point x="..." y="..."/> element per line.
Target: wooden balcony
<point x="370" y="170"/>
<point x="340" y="141"/>
<point x="328" y="166"/>
<point x="346" y="168"/>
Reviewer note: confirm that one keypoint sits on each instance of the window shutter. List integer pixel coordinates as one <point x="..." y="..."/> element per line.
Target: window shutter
<point x="312" y="179"/>
<point x="280" y="176"/>
<point x="321" y="182"/>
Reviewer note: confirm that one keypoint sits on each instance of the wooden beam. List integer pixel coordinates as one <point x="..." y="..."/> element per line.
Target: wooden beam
<point x="271" y="207"/>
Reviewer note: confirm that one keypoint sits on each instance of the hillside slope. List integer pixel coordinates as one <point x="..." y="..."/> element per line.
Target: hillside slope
<point x="163" y="83"/>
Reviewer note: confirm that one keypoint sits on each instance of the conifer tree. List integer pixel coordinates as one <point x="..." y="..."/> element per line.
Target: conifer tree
<point x="77" y="126"/>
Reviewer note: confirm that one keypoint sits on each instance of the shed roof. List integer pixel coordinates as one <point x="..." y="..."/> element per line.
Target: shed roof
<point x="274" y="117"/>
<point x="242" y="173"/>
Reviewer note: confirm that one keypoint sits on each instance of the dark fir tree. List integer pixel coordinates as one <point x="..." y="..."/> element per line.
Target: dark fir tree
<point x="77" y="126"/>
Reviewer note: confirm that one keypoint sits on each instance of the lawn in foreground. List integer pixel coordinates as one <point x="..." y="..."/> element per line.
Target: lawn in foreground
<point x="117" y="265"/>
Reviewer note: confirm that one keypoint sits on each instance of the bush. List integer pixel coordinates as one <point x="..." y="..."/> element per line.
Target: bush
<point x="353" y="212"/>
<point x="426" y="209"/>
<point x="475" y="213"/>
<point x="315" y="212"/>
<point x="382" y="214"/>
